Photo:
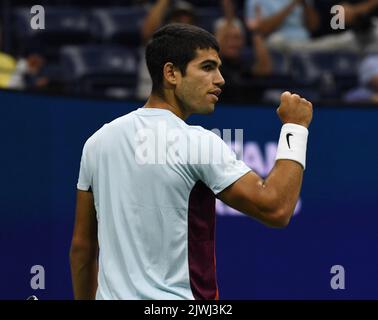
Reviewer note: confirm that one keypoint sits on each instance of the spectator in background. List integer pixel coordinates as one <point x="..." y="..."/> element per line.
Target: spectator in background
<point x="359" y="30"/>
<point x="231" y="36"/>
<point x="22" y="73"/>
<point x="162" y="12"/>
<point x="29" y="73"/>
<point x="7" y="67"/>
<point x="368" y="79"/>
<point x="283" y="22"/>
<point x="230" y="33"/>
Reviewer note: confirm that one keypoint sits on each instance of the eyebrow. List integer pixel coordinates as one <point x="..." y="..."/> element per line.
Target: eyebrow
<point x="212" y="62"/>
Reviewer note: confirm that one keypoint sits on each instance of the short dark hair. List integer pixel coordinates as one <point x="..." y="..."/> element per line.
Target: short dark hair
<point x="176" y="43"/>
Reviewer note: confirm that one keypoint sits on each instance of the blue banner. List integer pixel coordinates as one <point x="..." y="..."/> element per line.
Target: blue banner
<point x="329" y="250"/>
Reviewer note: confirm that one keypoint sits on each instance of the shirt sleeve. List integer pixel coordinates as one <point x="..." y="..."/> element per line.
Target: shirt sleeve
<point x="85" y="175"/>
<point x="223" y="168"/>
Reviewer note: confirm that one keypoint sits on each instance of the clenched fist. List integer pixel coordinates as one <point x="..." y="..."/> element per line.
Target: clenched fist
<point x="294" y="109"/>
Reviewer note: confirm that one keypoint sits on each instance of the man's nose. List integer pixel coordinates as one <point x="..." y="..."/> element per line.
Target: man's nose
<point x="219" y="81"/>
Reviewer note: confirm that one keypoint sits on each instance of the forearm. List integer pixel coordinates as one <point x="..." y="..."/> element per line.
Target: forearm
<point x="283" y="186"/>
<point x="271" y="200"/>
<point x="228" y="10"/>
<point x="263" y="63"/>
<point x="84" y="271"/>
<point x="154" y="19"/>
<point x="354" y="11"/>
<point x="271" y="23"/>
<point x="364" y="7"/>
<point x="284" y="181"/>
<point x="311" y="17"/>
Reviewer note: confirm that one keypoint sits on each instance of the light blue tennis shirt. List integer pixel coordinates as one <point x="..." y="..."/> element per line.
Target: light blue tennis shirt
<point x="154" y="180"/>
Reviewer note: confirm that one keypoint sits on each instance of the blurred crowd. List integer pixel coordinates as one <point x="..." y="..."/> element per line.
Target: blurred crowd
<point x="326" y="50"/>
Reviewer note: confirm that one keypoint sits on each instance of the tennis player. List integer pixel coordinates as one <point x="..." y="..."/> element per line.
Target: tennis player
<point x="145" y="212"/>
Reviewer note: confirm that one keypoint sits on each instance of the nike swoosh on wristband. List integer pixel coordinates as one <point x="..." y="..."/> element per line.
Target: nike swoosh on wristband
<point x="288" y="135"/>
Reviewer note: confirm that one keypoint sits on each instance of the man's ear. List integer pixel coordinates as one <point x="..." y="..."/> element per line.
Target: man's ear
<point x="170" y="73"/>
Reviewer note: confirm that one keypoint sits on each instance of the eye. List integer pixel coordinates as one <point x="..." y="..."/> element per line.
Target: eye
<point x="208" y="67"/>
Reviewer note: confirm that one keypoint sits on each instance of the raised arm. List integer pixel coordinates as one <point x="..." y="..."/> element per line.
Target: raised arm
<point x="271" y="23"/>
<point x="263" y="64"/>
<point x="154" y="19"/>
<point x="84" y="248"/>
<point x="228" y="10"/>
<point x="355" y="11"/>
<point x="311" y="16"/>
<point x="272" y="201"/>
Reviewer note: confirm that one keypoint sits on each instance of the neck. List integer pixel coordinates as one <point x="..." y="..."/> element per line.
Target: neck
<point x="155" y="101"/>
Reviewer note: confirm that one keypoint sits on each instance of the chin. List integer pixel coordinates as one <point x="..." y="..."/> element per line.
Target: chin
<point x="209" y="109"/>
<point x="204" y="109"/>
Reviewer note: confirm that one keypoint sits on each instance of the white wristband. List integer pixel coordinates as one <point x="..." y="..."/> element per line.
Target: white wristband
<point x="293" y="143"/>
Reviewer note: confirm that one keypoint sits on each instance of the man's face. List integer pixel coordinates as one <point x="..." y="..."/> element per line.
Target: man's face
<point x="231" y="42"/>
<point x="198" y="90"/>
